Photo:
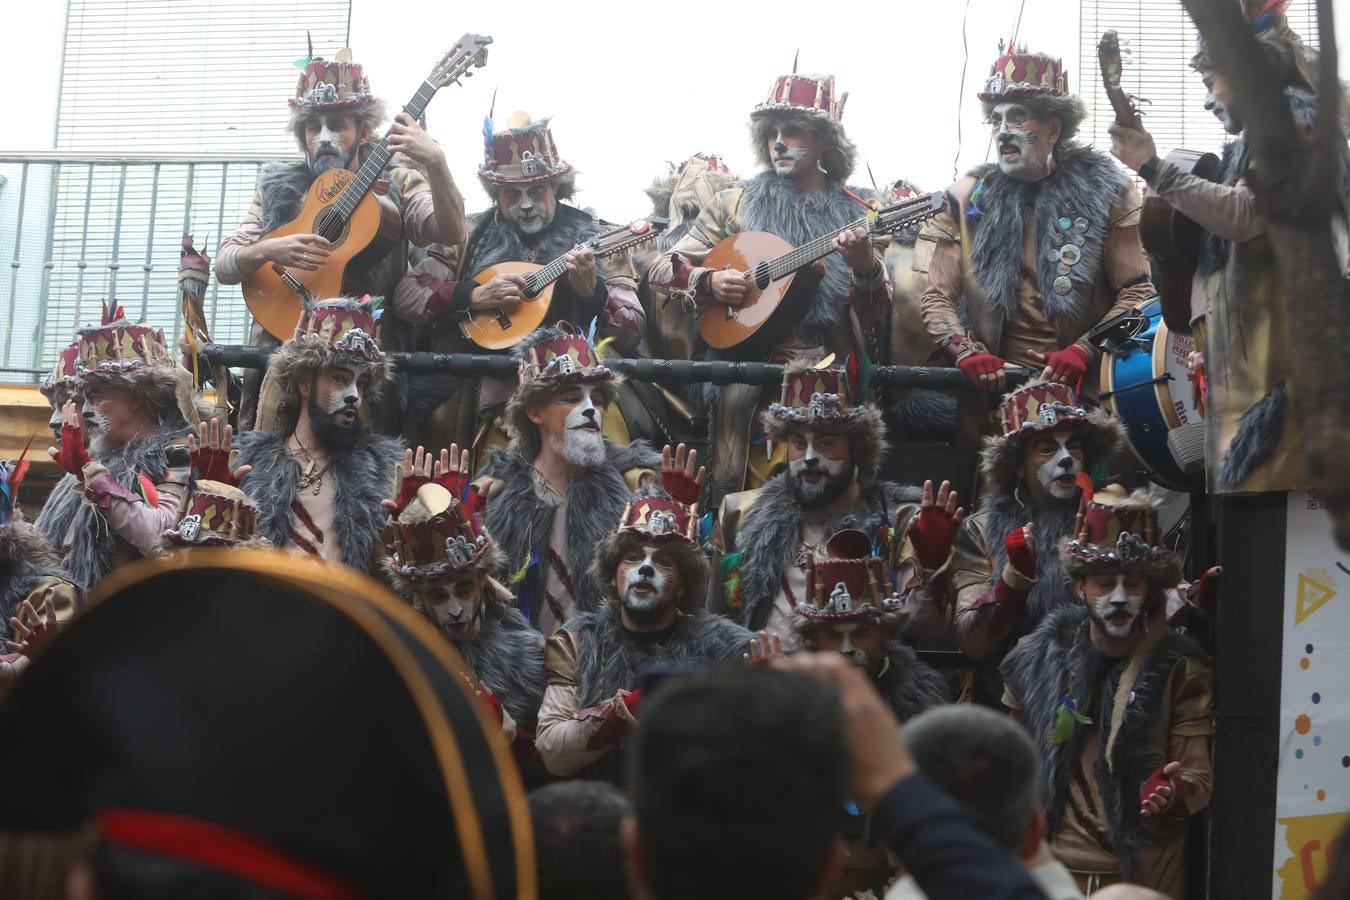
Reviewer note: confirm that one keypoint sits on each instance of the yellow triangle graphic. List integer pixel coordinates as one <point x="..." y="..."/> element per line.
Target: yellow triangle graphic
<point x="1312" y="596"/>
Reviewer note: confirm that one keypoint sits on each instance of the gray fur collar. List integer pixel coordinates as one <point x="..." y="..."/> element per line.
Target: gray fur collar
<point x="772" y="203"/>
<point x="1085" y="184"/>
<point x="495" y="240"/>
<point x="508" y="657"/>
<point x="520" y="521"/>
<point x="1004" y="512"/>
<point x="94" y="547"/>
<point x="611" y="658"/>
<point x="363" y="476"/>
<point x="1058" y="659"/>
<point x="771" y="530"/>
<point x="18" y="579"/>
<point x="910" y="686"/>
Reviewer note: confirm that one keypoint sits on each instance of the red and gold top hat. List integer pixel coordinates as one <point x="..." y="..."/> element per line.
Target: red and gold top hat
<point x="1038" y="407"/>
<point x="814" y="94"/>
<point x="432" y="538"/>
<point x="657" y="521"/>
<point x="661" y="520"/>
<point x="561" y="358"/>
<point x="215" y="514"/>
<point x="1017" y="74"/>
<point x="344" y="326"/>
<point x="1042" y="406"/>
<point x="846" y="581"/>
<point x="136" y="357"/>
<point x="818" y="398"/>
<point x="338" y="84"/>
<point x="64" y="378"/>
<point x="522" y="154"/>
<point x="1116" y="532"/>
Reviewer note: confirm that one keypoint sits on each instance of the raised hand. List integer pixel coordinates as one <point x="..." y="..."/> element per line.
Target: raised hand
<point x="451" y="470"/>
<point x="933" y="530"/>
<point x="1130" y="146"/>
<point x="765" y="648"/>
<point x="1020" y="545"/>
<point x="414" y="471"/>
<point x="32" y="638"/>
<point x="679" y="476"/>
<point x="210" y="454"/>
<point x="71" y="455"/>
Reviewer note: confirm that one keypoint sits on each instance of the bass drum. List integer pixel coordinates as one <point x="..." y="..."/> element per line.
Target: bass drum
<point x="1145" y="381"/>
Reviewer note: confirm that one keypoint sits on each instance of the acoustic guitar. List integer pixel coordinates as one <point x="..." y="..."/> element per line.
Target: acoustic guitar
<point x="1171" y="239"/>
<point x="775" y="294"/>
<point x="499" y="329"/>
<point x="339" y="206"/>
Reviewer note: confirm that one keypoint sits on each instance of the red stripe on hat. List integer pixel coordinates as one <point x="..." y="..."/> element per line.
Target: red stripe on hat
<point x="224" y="848"/>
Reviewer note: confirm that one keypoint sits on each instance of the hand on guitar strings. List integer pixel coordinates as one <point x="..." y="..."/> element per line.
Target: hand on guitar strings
<point x="308" y="252"/>
<point x="856" y="248"/>
<point x="1133" y="148"/>
<point x="729" y="287"/>
<point x="504" y="290"/>
<point x="581" y="271"/>
<point x="409" y="138"/>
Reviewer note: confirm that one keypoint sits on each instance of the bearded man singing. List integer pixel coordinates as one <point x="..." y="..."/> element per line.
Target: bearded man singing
<point x="318" y="473"/>
<point x="560" y="486"/>
<point x="1118" y="705"/>
<point x="653" y="576"/>
<point x="834" y="444"/>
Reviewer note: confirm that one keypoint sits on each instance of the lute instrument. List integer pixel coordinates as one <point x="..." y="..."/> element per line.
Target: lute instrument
<point x="1171" y="239"/>
<point x="774" y="292"/>
<point x="499" y="329"/>
<point x="340" y="207"/>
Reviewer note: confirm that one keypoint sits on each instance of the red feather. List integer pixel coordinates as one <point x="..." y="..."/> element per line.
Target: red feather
<point x="20" y="469"/>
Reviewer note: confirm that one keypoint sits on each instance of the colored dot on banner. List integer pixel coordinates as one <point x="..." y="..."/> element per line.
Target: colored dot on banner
<point x="1302" y="724"/>
<point x="1321" y="795"/>
<point x="1317" y="698"/>
<point x="1308" y="648"/>
<point x="1317" y="740"/>
<point x="1298" y="754"/>
<point x="1303" y="663"/>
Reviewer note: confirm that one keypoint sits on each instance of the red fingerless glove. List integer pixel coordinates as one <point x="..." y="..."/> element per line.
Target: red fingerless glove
<point x="408" y="490"/>
<point x="633" y="701"/>
<point x="73" y="456"/>
<point x="1071" y="364"/>
<point x="932" y="534"/>
<point x="1181" y="789"/>
<point x="680" y="486"/>
<point x="492" y="703"/>
<point x="212" y="465"/>
<point x="1021" y="555"/>
<point x="977" y="364"/>
<point x="473" y="503"/>
<point x="1207" y="593"/>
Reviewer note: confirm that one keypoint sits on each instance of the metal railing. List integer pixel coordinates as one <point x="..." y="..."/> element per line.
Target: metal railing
<point x="79" y="228"/>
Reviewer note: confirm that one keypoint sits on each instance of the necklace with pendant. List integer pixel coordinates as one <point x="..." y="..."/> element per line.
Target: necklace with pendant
<point x="309" y="478"/>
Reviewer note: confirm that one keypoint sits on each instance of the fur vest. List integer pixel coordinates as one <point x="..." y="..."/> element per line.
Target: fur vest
<point x="26" y="564"/>
<point x="1085" y="184"/>
<point x="520" y="521"/>
<point x="94" y="546"/>
<point x="1058" y="659"/>
<point x="508" y="657"/>
<point x="1003" y="512"/>
<point x="611" y="658"/>
<point x="495" y="240"/>
<point x="771" y="529"/>
<point x="910" y="686"/>
<point x="362" y="477"/>
<point x="772" y="203"/>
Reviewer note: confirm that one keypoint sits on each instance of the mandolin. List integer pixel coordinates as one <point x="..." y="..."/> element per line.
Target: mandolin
<point x="339" y="206"/>
<point x="499" y="329"/>
<point x="772" y="264"/>
<point x="1171" y="239"/>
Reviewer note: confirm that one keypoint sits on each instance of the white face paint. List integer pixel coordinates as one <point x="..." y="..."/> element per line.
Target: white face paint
<point x="582" y="442"/>
<point x="817" y="479"/>
<point x="348" y="397"/>
<point x="646" y="585"/>
<point x="1056" y="476"/>
<point x="1117" y="611"/>
<point x="785" y="157"/>
<point x="1021" y="142"/>
<point x="454" y="608"/>
<point x="852" y="653"/>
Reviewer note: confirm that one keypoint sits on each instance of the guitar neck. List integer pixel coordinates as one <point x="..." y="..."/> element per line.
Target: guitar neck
<point x="809" y="252"/>
<point x="379" y="156"/>
<point x="541" y="278"/>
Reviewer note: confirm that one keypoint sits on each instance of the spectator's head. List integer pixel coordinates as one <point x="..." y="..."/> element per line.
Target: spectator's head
<point x="988" y="765"/>
<point x="576" y="840"/>
<point x="1127" y="892"/>
<point x="738" y="780"/>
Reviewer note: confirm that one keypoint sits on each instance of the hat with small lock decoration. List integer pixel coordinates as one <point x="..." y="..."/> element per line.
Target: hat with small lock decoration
<point x="332" y="84"/>
<point x="1119" y="533"/>
<point x="1017" y="75"/>
<point x="432" y="537"/>
<point x="846" y="581"/>
<point x="215" y="514"/>
<point x="655" y="520"/>
<point x="1039" y="407"/>
<point x="119" y="354"/>
<point x="523" y="153"/>
<point x="820" y="399"/>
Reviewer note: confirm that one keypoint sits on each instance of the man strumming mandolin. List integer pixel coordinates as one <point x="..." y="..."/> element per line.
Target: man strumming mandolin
<point x="798" y="137"/>
<point x="334" y="117"/>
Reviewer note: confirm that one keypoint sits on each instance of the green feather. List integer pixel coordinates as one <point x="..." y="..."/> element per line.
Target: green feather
<point x="519" y="575"/>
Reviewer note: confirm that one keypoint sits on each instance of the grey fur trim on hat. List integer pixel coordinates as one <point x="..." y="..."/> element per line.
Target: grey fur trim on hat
<point x="304" y="357"/>
<point x="1002" y="458"/>
<point x="1159" y="565"/>
<point x="1069" y="109"/>
<point x="691" y="561"/>
<point x="369" y="114"/>
<point x="165" y="388"/>
<point x="865" y="429"/>
<point x="838" y="159"/>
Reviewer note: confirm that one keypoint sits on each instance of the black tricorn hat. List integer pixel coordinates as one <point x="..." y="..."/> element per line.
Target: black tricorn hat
<point x="340" y="741"/>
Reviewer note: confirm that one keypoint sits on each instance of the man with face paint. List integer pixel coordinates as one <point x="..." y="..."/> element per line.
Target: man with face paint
<point x="125" y="451"/>
<point x="1118" y="704"/>
<point x="529" y="222"/>
<point x="444" y="563"/>
<point x="1254" y="432"/>
<point x="799" y="138"/>
<point x="834" y="444"/>
<point x="653" y="575"/>
<point x="334" y="119"/>
<point x="997" y="572"/>
<point x="318" y="472"/>
<point x="1035" y="250"/>
<point x="560" y="486"/>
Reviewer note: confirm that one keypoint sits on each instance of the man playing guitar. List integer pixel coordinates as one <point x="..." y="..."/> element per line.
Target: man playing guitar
<point x="798" y="137"/>
<point x="333" y="117"/>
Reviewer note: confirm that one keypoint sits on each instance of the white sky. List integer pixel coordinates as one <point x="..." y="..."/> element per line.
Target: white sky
<point x="632" y="85"/>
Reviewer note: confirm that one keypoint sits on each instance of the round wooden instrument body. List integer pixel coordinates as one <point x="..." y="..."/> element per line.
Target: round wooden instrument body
<point x="723" y="327"/>
<point x="503" y="329"/>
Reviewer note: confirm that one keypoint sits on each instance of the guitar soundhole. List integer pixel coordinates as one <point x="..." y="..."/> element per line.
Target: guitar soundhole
<point x="330" y="225"/>
<point x="762" y="278"/>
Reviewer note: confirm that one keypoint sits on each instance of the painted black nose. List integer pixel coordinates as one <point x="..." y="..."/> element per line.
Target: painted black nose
<point x="646" y="571"/>
<point x="779" y="147"/>
<point x="589" y="413"/>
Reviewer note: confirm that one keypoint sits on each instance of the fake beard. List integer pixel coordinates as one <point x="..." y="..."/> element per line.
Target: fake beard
<point x="320" y="162"/>
<point x="331" y="432"/>
<point x="579" y="445"/>
<point x="458" y="620"/>
<point x="1117" y="612"/>
<point x="785" y="160"/>
<point x="1050" y="475"/>
<point x="813" y="495"/>
<point x="646" y="606"/>
<point x="1019" y="156"/>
